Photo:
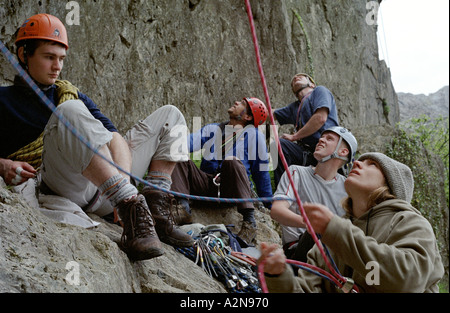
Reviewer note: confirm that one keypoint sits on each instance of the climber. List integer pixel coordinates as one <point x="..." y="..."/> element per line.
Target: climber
<point x="313" y="112"/>
<point x="320" y="184"/>
<point x="35" y="144"/>
<point x="383" y="244"/>
<point x="235" y="152"/>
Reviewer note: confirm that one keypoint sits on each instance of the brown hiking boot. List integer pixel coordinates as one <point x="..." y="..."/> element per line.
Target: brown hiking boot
<point x="248" y="233"/>
<point x="161" y="204"/>
<point x="139" y="239"/>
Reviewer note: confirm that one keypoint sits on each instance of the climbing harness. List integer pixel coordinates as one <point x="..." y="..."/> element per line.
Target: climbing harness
<point x="335" y="276"/>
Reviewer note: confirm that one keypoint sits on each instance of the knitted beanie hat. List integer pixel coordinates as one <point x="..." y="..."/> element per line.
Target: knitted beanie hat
<point x="398" y="176"/>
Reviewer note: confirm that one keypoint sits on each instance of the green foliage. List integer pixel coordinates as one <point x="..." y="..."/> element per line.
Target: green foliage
<point x="443" y="288"/>
<point x="434" y="135"/>
<point x="386" y="108"/>
<point x="197" y="162"/>
<point x="414" y="145"/>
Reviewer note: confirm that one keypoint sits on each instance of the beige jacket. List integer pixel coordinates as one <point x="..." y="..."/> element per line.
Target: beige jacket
<point x="391" y="248"/>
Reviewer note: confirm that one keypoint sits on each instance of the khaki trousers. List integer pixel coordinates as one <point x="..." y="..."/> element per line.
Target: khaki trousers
<point x="161" y="136"/>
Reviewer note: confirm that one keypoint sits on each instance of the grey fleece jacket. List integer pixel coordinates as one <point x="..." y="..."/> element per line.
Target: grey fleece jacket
<point x="393" y="234"/>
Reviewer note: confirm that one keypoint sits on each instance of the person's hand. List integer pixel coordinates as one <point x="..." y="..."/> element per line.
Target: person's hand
<point x="288" y="137"/>
<point x="318" y="215"/>
<point x="15" y="172"/>
<point x="274" y="258"/>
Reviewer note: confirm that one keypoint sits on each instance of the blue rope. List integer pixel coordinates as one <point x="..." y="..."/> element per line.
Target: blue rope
<point x="328" y="254"/>
<point x="72" y="129"/>
<point x="330" y="258"/>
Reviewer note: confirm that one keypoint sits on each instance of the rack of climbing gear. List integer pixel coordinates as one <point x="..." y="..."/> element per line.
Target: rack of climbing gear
<point x="236" y="270"/>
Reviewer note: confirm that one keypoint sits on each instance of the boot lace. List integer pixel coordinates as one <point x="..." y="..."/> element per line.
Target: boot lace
<point x="140" y="219"/>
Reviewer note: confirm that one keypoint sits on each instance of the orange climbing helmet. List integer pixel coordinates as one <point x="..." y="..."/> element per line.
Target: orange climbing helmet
<point x="259" y="110"/>
<point x="44" y="27"/>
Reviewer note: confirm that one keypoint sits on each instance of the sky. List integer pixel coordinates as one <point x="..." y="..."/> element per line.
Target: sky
<point x="413" y="39"/>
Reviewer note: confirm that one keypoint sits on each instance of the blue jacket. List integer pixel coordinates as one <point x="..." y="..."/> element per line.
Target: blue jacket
<point x="249" y="147"/>
<point x="23" y="116"/>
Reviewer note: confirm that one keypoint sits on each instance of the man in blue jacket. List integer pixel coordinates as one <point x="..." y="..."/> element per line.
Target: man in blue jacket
<point x="35" y="143"/>
<point x="313" y="112"/>
<point x="235" y="153"/>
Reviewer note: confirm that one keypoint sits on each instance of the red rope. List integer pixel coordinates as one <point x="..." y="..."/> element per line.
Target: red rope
<point x="310" y="229"/>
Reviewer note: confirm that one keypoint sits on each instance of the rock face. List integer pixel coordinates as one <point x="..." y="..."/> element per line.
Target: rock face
<point x="432" y="105"/>
<point x="39" y="255"/>
<point x="134" y="56"/>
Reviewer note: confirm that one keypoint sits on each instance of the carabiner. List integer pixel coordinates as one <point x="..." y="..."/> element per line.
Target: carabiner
<point x="217" y="184"/>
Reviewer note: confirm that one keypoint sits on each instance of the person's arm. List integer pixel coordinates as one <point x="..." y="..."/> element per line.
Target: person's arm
<point x="407" y="260"/>
<point x="8" y="171"/>
<point x="409" y="248"/>
<point x="316" y="121"/>
<point x="282" y="210"/>
<point x="286" y="115"/>
<point x="120" y="153"/>
<point x="279" y="277"/>
<point x="282" y="214"/>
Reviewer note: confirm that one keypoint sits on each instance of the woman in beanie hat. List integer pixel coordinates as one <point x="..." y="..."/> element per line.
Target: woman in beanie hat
<point x="383" y="243"/>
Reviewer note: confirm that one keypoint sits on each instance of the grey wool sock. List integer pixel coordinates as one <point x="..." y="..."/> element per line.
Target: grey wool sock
<point x="117" y="189"/>
<point x="159" y="179"/>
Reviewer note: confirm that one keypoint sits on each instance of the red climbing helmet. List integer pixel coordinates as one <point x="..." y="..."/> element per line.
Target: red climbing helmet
<point x="44" y="27"/>
<point x="259" y="110"/>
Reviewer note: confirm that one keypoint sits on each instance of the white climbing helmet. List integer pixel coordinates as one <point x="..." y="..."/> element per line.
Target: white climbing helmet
<point x="348" y="137"/>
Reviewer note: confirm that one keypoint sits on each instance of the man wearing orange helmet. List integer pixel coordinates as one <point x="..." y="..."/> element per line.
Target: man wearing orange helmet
<point x="234" y="152"/>
<point x="36" y="143"/>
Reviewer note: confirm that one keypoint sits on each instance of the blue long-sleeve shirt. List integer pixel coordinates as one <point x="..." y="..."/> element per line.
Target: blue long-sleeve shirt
<point x="249" y="147"/>
<point x="23" y="115"/>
